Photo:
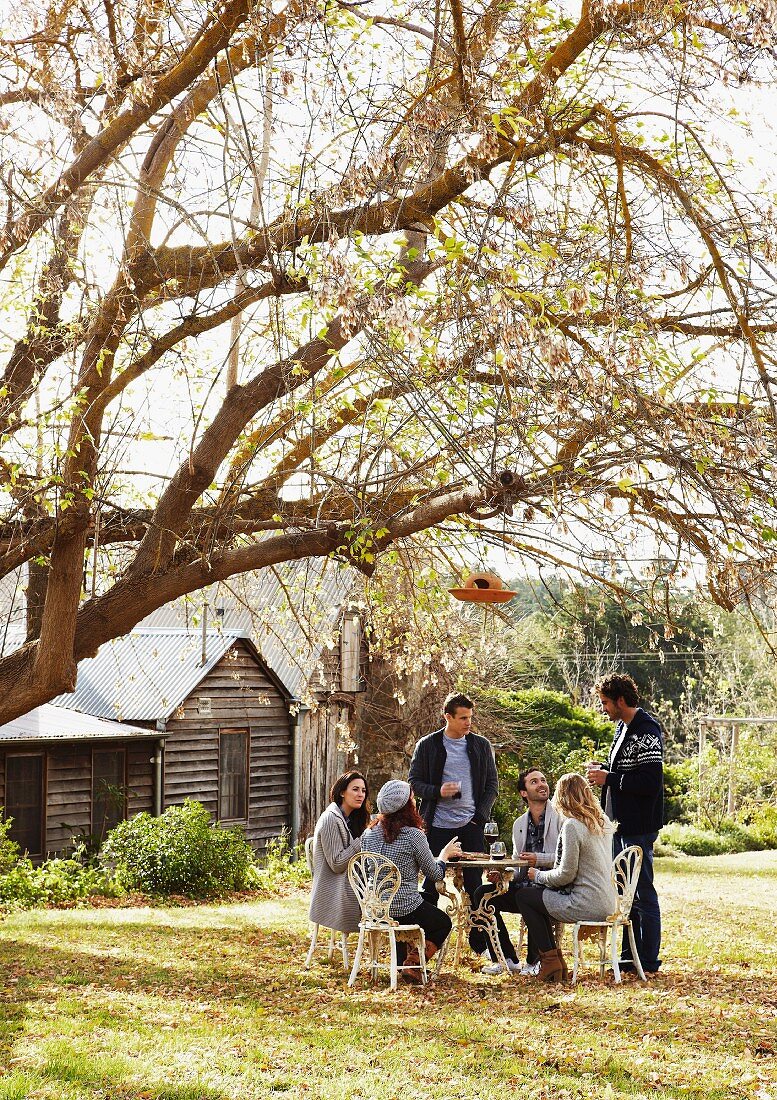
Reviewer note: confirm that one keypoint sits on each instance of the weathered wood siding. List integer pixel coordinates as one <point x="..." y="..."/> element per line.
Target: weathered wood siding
<point x="68" y="785"/>
<point x="69" y="802"/>
<point x="242" y="696"/>
<point x="140" y="777"/>
<point x="320" y="761"/>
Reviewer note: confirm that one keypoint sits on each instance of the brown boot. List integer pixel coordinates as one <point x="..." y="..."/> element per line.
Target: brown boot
<point x="552" y="966"/>
<point x="412" y="960"/>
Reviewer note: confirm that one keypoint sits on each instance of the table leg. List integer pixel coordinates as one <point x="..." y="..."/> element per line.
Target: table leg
<point x="458" y="910"/>
<point x="483" y="917"/>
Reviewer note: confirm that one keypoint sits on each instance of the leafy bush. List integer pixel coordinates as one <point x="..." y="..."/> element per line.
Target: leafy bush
<point x="680" y="793"/>
<point x="9" y="849"/>
<point x="181" y="852"/>
<point x="693" y="841"/>
<point x="19" y="888"/>
<point x="741" y="838"/>
<point x="55" y="882"/>
<point x="763" y="824"/>
<point x="279" y="867"/>
<point x="73" y="879"/>
<point x="732" y="837"/>
<point x="542" y="728"/>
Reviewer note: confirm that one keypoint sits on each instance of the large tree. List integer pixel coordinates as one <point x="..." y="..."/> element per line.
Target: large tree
<point x="315" y="277"/>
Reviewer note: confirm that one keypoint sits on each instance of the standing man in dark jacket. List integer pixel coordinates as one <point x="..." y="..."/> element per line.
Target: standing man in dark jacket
<point x="454" y="774"/>
<point x="632" y="784"/>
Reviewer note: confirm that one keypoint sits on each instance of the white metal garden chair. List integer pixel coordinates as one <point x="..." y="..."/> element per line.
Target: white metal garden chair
<point x="375" y="880"/>
<point x="625" y="872"/>
<point x="336" y="939"/>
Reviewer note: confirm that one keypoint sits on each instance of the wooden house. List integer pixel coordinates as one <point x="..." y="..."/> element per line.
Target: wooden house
<point x="65" y="775"/>
<point x="248" y="711"/>
<point x="183" y="716"/>
<point x="304" y="622"/>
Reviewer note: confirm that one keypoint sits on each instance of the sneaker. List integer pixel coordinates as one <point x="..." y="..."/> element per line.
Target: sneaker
<point x="497" y="968"/>
<point x="530" y="970"/>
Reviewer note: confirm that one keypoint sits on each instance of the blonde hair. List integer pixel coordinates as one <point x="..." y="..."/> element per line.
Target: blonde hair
<point x="574" y="798"/>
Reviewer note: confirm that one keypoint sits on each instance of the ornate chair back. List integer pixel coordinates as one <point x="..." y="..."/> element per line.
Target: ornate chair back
<point x="625" y="873"/>
<point x="375" y="880"/>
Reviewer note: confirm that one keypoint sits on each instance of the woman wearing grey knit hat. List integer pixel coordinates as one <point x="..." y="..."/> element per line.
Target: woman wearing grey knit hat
<point x="399" y="834"/>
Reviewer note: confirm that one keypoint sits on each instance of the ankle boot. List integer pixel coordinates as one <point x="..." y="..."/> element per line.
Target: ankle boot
<point x="412" y="959"/>
<point x="565" y="971"/>
<point x="552" y="966"/>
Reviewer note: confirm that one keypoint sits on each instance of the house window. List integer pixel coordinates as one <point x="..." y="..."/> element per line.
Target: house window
<point x="233" y="775"/>
<point x="24" y="801"/>
<point x="109" y="790"/>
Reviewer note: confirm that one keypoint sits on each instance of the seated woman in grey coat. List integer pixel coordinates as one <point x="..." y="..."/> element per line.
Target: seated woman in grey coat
<point x="337" y="837"/>
<point x="579" y="886"/>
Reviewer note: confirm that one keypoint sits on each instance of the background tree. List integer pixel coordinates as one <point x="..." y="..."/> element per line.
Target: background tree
<point x="484" y="271"/>
<point x="565" y="636"/>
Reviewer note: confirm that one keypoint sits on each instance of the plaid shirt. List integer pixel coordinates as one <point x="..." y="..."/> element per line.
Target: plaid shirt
<point x="535" y="842"/>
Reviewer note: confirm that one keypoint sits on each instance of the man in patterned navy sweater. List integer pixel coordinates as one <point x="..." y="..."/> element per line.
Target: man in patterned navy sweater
<point x="632" y="784"/>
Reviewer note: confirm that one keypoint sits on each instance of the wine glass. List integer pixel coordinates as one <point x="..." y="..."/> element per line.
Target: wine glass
<point x="490" y="830"/>
<point x="498" y="850"/>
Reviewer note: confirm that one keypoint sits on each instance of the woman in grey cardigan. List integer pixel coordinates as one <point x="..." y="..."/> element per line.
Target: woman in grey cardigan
<point x="579" y="886"/>
<point x="337" y="837"/>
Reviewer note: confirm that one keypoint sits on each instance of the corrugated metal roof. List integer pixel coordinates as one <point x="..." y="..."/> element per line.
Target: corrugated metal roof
<point x="291" y="612"/>
<point x="52" y="723"/>
<point x="146" y="675"/>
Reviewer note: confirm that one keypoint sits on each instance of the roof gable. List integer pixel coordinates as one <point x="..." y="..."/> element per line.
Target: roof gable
<point x="291" y="612"/>
<point x="147" y="674"/>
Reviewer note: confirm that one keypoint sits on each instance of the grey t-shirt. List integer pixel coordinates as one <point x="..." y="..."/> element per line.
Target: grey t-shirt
<point x="451" y="813"/>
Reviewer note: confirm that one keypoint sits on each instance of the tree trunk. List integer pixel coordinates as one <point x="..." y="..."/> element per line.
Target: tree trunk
<point x="37" y="586"/>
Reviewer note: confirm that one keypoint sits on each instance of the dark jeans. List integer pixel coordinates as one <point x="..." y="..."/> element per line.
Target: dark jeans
<point x="645" y="912"/>
<point x="504" y="903"/>
<point x="472" y="840"/>
<point x="528" y="901"/>
<point x="435" y="922"/>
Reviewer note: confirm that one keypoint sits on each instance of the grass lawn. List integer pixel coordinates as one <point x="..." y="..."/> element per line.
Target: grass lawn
<point x="210" y="1002"/>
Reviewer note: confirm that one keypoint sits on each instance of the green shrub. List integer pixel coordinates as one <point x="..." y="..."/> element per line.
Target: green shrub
<point x="73" y="879"/>
<point x="57" y="881"/>
<point x="542" y="728"/>
<point x="693" y="841"/>
<point x="279" y="867"/>
<point x="19" y="888"/>
<point x="9" y="849"/>
<point x="181" y="852"/>
<point x="763" y="824"/>
<point x="741" y="838"/>
<point x="680" y="790"/>
<point x="732" y="837"/>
